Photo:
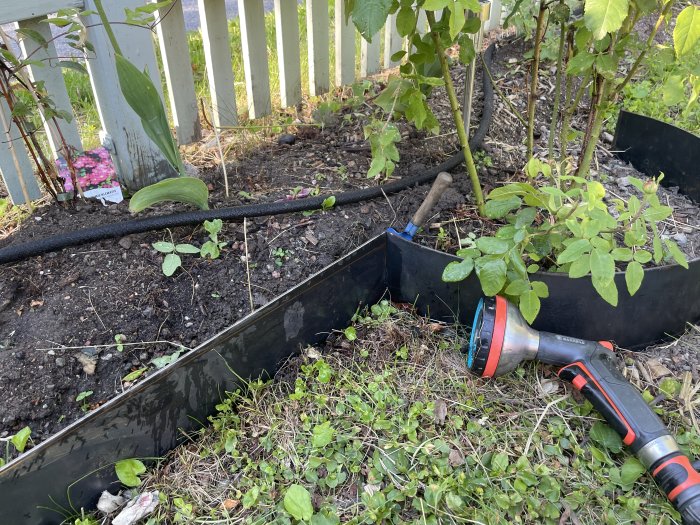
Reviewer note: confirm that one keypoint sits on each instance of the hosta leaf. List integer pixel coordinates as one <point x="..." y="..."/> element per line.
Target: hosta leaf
<point x="604" y="16"/>
<point x="142" y="96"/>
<point x="687" y="31"/>
<point x="634" y="276"/>
<point x="189" y="190"/>
<point x="369" y="16"/>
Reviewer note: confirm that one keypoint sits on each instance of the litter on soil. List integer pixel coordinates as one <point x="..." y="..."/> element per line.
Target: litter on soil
<point x="385" y="423"/>
<point x="96" y="318"/>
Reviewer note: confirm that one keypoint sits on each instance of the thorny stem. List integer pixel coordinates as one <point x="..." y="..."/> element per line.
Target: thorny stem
<point x="557" y="89"/>
<point x="534" y="72"/>
<point x="595" y="128"/>
<point x="647" y="46"/>
<point x="567" y="112"/>
<point x="457" y="115"/>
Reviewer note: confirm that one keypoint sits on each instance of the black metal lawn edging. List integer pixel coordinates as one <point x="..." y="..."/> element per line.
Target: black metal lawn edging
<point x="75" y="465"/>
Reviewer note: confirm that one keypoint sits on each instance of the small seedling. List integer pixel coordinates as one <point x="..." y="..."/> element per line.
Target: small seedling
<point x="81" y="398"/>
<point x="212" y="248"/>
<point x="328" y="203"/>
<point x="128" y="471"/>
<point x="163" y="361"/>
<point x="133" y="376"/>
<point x="119" y="339"/>
<point x="280" y="254"/>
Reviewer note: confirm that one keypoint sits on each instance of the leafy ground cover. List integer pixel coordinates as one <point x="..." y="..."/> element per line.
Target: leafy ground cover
<point x="384" y="424"/>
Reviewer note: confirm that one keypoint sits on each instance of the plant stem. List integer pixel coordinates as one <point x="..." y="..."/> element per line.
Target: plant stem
<point x="457" y="115"/>
<point x="645" y="49"/>
<point x="502" y="95"/>
<point x="598" y="105"/>
<point x="534" y="73"/>
<point x="108" y="28"/>
<point x="557" y="90"/>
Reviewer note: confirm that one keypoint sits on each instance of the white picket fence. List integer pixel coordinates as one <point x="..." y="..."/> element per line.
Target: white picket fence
<point x="136" y="157"/>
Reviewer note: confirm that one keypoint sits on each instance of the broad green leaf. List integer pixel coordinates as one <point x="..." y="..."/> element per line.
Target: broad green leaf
<point x="670" y="387"/>
<point x="606" y="289"/>
<point x="631" y="470"/>
<point x="687" y="31"/>
<point x="297" y="501"/>
<point x="457" y="18"/>
<point x="435" y="5"/>
<point x="164" y="247"/>
<point x="634" y="276"/>
<point x="350" y="333"/>
<point x="575" y="250"/>
<point x="580" y="267"/>
<point x="171" y="263"/>
<point x="517" y="287"/>
<point x="540" y="288"/>
<point x="525" y="217"/>
<point x="622" y="254"/>
<point x="529" y="305"/>
<point x="674" y="90"/>
<point x="322" y="435"/>
<point x="19" y="440"/>
<point x="128" y="471"/>
<point x="325" y="518"/>
<point x="517" y="188"/>
<point x="676" y="253"/>
<point x="467" y="53"/>
<point x="602" y="265"/>
<point x="492" y="245"/>
<point x="492" y="275"/>
<point x="499" y="462"/>
<point x="496" y="209"/>
<point x="210" y="249"/>
<point x="642" y="256"/>
<point x="369" y="16"/>
<point x="142" y="96"/>
<point x="72" y="64"/>
<point x="658" y="213"/>
<point x="606" y="437"/>
<point x="604" y="16"/>
<point x="185" y="248"/>
<point x="405" y="20"/>
<point x="133" y="376"/>
<point x="189" y="190"/>
<point x="582" y="61"/>
<point x="457" y="270"/>
<point x="213" y="227"/>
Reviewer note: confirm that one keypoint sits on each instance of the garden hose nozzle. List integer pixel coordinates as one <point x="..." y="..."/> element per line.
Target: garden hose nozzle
<point x="501" y="339"/>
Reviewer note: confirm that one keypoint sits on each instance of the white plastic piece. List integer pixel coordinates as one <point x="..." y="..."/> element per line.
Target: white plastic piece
<point x="137" y="509"/>
<point x="110" y="503"/>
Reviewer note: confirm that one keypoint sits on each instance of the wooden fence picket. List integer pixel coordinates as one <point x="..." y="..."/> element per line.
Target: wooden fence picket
<point x="217" y="55"/>
<point x="369" y="59"/>
<point x="257" y="75"/>
<point x="287" y="32"/>
<point x="344" y="46"/>
<point x="392" y="42"/>
<point x="317" y="30"/>
<point x="177" y="68"/>
<point x="51" y="74"/>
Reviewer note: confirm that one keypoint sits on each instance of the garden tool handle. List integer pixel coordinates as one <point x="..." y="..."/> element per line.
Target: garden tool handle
<point x="442" y="181"/>
<point x="596" y="376"/>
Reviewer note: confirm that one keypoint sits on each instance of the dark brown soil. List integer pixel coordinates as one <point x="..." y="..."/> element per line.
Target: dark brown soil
<point x="60" y="313"/>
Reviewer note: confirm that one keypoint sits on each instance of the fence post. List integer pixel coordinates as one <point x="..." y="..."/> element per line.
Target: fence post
<point x="344" y="47"/>
<point x="178" y="72"/>
<point x="392" y="42"/>
<point x="217" y="54"/>
<point x="52" y="77"/>
<point x="15" y="167"/>
<point x="317" y="29"/>
<point x="138" y="160"/>
<point x="257" y="76"/>
<point x="369" y="59"/>
<point x="287" y="31"/>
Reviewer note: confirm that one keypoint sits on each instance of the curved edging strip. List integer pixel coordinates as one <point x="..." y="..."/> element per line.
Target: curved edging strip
<point x="14" y="253"/>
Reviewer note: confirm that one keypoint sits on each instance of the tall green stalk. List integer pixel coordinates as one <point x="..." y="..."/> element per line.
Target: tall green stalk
<point x="534" y="78"/>
<point x="108" y="27"/>
<point x="557" y="89"/>
<point x="457" y="115"/>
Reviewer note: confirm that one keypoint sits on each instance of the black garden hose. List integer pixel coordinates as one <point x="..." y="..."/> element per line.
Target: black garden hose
<point x="25" y="250"/>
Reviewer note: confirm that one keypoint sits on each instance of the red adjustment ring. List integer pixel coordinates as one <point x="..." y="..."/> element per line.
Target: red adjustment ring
<point x="676" y="474"/>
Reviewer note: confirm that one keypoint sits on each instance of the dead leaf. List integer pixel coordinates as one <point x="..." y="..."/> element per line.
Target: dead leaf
<point x="436" y="327"/>
<point x="371" y="489"/>
<point x="313" y="353"/>
<point x="88" y="363"/>
<point x="230" y="504"/>
<point x="549" y="386"/>
<point x="455" y="458"/>
<point x="656" y="369"/>
<point x="36" y="302"/>
<point x="311" y="238"/>
<point x="440" y="412"/>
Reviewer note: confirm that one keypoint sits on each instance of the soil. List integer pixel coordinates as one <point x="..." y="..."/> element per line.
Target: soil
<point x="60" y="313"/>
